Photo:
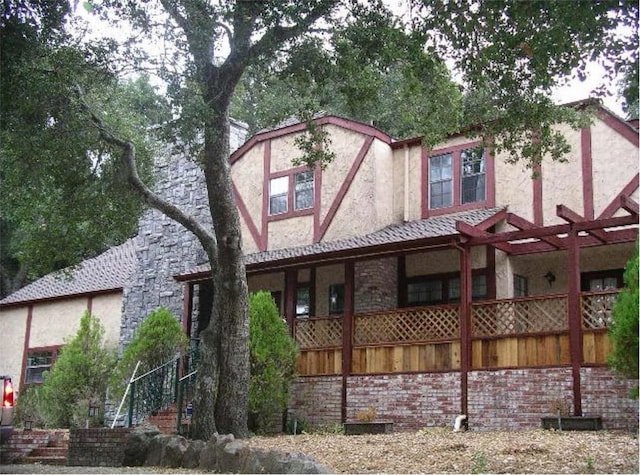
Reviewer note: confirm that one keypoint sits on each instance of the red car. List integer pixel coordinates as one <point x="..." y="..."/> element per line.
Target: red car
<point x="6" y="417"/>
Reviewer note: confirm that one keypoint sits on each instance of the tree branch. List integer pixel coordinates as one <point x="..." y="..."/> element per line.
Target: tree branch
<point x="152" y="199"/>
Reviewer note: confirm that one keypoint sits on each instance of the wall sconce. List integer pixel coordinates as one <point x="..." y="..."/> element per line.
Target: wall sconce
<point x="551" y="278"/>
<point x="28" y="424"/>
<point x="93" y="409"/>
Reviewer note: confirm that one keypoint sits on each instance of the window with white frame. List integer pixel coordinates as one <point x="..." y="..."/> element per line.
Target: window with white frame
<point x="37" y="363"/>
<point x="278" y="195"/>
<point x="303" y="197"/>
<point x="472" y="165"/>
<point x="440" y="181"/>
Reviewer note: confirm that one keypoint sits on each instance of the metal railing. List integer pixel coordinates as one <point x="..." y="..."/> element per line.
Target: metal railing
<point x="158" y="388"/>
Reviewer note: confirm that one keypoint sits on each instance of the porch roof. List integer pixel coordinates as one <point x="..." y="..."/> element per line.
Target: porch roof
<point x="437" y="230"/>
<point x="105" y="273"/>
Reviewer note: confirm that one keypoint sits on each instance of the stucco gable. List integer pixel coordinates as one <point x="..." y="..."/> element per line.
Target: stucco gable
<point x="106" y="272"/>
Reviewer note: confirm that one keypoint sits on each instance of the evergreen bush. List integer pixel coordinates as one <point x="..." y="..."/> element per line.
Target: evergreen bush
<point x="623" y="329"/>
<point x="272" y="360"/>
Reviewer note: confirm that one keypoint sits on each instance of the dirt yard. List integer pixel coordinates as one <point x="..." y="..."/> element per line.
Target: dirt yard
<point x="443" y="451"/>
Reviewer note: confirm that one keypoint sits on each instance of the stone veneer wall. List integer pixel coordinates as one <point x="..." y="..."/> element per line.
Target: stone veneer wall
<point x="163" y="247"/>
<point x="410" y="401"/>
<point x="375" y="285"/>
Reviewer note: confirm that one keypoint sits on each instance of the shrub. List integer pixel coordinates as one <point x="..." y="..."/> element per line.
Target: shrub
<point x="623" y="330"/>
<point x="79" y="374"/>
<point x="272" y="359"/>
<point x="158" y="339"/>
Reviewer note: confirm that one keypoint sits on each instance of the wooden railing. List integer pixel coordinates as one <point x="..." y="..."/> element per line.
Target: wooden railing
<point x="520" y="332"/>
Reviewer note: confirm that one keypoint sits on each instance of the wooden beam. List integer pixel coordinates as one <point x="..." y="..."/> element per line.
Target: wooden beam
<point x="523" y="224"/>
<point x="575" y="318"/>
<point x="629" y="205"/>
<point x="347" y="331"/>
<point x="471" y="231"/>
<point x="492" y="220"/>
<point x="571" y="216"/>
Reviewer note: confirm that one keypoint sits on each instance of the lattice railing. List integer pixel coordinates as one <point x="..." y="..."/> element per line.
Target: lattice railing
<point x="526" y="315"/>
<point x="421" y="324"/>
<point x="318" y="332"/>
<point x="596" y="308"/>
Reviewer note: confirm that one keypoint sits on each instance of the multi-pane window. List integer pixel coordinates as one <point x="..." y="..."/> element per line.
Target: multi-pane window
<point x="37" y="363"/>
<point x="278" y="194"/>
<point x="303" y="197"/>
<point x="520" y="286"/>
<point x="303" y="302"/>
<point x="473" y="175"/>
<point x="440" y="182"/>
<point x="442" y="290"/>
<point x="302" y="184"/>
<point x="336" y="299"/>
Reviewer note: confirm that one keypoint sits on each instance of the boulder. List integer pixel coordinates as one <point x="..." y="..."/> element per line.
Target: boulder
<point x="166" y="451"/>
<point x="191" y="458"/>
<point x="137" y="445"/>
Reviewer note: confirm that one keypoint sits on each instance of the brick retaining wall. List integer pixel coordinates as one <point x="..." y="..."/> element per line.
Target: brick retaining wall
<point x="99" y="447"/>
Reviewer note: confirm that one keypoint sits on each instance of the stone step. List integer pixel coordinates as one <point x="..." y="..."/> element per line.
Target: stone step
<point x="53" y="460"/>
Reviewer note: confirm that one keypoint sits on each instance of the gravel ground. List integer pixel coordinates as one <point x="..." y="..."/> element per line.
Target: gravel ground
<point x="437" y="451"/>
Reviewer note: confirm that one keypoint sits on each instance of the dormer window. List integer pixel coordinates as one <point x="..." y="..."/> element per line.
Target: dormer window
<point x="282" y="202"/>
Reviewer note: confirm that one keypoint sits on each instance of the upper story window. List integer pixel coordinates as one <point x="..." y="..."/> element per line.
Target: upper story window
<point x="456" y="179"/>
<point x="281" y="201"/>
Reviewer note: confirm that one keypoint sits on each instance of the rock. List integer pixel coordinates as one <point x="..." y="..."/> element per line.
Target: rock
<point x="137" y="445"/>
<point x="210" y="453"/>
<point x="166" y="451"/>
<point x="191" y="458"/>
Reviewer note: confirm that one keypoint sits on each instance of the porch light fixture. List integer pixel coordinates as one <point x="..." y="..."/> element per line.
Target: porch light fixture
<point x="551" y="278"/>
<point x="28" y="424"/>
<point x="93" y="409"/>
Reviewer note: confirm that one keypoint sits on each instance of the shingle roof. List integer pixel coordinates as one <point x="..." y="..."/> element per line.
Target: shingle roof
<point x="108" y="271"/>
<point x="436" y="227"/>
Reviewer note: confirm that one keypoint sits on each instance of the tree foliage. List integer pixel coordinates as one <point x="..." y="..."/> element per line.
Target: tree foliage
<point x="78" y="378"/>
<point x="157" y="340"/>
<point x="59" y="182"/>
<point x="272" y="357"/>
<point x="623" y="329"/>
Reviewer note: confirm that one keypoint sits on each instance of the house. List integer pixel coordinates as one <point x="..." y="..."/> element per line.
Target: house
<point x="425" y="284"/>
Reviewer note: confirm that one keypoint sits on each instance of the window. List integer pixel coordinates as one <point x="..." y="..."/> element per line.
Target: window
<point x="37" y="363"/>
<point x="336" y="299"/>
<point x="457" y="177"/>
<point x="278" y="191"/>
<point x="602" y="280"/>
<point x="440" y="182"/>
<point x="520" y="286"/>
<point x="442" y="290"/>
<point x="303" y="302"/>
<point x="473" y="173"/>
<point x="303" y="197"/>
<point x="302" y="184"/>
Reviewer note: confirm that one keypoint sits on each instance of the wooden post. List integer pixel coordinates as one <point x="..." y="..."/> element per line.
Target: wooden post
<point x="290" y="283"/>
<point x="575" y="317"/>
<point x="465" y="324"/>
<point x="347" y="331"/>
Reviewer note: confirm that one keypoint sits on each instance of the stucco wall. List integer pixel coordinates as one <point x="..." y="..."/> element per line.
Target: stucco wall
<point x="442" y="261"/>
<point x="52" y="322"/>
<point x="326" y="276"/>
<point x="108" y="308"/>
<point x="13" y="327"/>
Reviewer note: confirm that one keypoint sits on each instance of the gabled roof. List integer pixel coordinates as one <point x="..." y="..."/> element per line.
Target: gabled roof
<point x="395" y="236"/>
<point x="107" y="272"/>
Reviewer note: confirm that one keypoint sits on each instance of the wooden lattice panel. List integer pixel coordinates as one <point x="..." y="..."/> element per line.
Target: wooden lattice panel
<point x="425" y="324"/>
<point x="318" y="333"/>
<point x="519" y="316"/>
<point x="596" y="309"/>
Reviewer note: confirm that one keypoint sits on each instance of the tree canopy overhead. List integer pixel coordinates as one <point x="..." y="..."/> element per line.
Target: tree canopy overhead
<point x="362" y="54"/>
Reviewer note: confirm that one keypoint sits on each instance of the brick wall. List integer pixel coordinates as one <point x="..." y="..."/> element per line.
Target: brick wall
<point x="604" y="394"/>
<point x="375" y="285"/>
<point x="99" y="447"/>
<point x="410" y="401"/>
<point x="317" y="401"/>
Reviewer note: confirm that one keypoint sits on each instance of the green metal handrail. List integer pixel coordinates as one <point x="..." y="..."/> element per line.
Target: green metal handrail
<point x="158" y="388"/>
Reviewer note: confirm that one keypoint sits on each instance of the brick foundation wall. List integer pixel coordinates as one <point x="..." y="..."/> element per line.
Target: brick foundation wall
<point x="605" y="394"/>
<point x="317" y="400"/>
<point x="515" y="399"/>
<point x="99" y="447"/>
<point x="410" y="401"/>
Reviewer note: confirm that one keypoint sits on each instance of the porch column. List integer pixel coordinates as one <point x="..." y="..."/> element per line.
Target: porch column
<point x="575" y="317"/>
<point x="187" y="319"/>
<point x="347" y="330"/>
<point x="465" y="325"/>
<point x="290" y="283"/>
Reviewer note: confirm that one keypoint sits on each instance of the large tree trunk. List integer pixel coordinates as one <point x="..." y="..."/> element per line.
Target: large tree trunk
<point x="225" y="342"/>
